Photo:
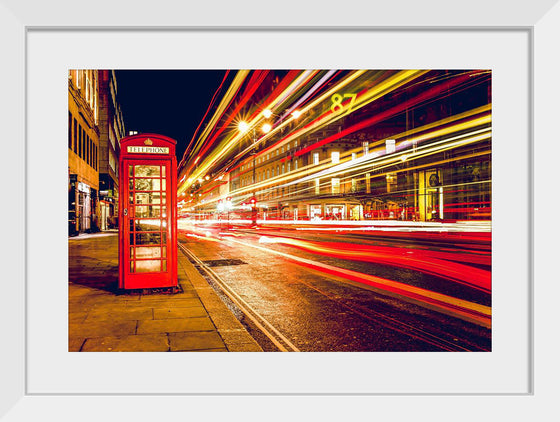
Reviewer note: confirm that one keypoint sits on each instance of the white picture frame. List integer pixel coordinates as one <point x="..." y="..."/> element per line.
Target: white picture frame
<point x="539" y="19"/>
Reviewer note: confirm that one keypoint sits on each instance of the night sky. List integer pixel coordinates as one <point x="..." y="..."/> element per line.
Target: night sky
<point x="168" y="102"/>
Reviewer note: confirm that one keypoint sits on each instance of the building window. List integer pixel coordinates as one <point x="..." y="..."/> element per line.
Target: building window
<point x="368" y="177"/>
<point x="80" y="143"/>
<point x="335" y="157"/>
<point x="317" y="187"/>
<point x="75" y="136"/>
<point x="354" y="185"/>
<point x="267" y="174"/>
<point x="315" y="158"/>
<point x="88" y="150"/>
<point x="278" y="170"/>
<point x="69" y="130"/>
<point x="295" y="165"/>
<point x="335" y="185"/>
<point x="283" y="169"/>
<point x="289" y="166"/>
<point x="365" y="147"/>
<point x="354" y="156"/>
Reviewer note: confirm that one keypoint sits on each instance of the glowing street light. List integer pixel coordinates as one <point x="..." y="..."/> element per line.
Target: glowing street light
<point x="296" y="114"/>
<point x="267" y="113"/>
<point x="243" y="126"/>
<point x="267" y="127"/>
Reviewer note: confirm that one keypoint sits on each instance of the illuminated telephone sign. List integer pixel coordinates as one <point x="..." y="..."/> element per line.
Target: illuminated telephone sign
<point x="147" y="212"/>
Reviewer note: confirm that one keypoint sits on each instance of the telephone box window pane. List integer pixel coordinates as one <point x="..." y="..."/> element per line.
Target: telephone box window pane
<point x="164" y="252"/>
<point x="148" y="238"/>
<point x="164" y="265"/>
<point x="130" y="184"/>
<point x="130" y="171"/>
<point x="131" y="225"/>
<point x="148" y="266"/>
<point x="163" y="184"/>
<point x="131" y="266"/>
<point x="146" y="171"/>
<point x="147" y="225"/>
<point x="163" y="171"/>
<point x="131" y="238"/>
<point x="132" y="252"/>
<point x="146" y="198"/>
<point x="147" y="211"/>
<point x="147" y="184"/>
<point x="146" y="252"/>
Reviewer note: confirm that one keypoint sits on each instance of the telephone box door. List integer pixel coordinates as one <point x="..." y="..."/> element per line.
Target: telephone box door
<point x="147" y="227"/>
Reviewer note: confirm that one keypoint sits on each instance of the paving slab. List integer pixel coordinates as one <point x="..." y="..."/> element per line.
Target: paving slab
<point x="175" y="325"/>
<point x="119" y="314"/>
<point x="198" y="340"/>
<point x="75" y="344"/>
<point x="132" y="343"/>
<point x="167" y="313"/>
<point x="102" y="328"/>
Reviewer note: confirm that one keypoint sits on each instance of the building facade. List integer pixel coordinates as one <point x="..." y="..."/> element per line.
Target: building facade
<point x="111" y="131"/>
<point x="83" y="150"/>
<point x="419" y="152"/>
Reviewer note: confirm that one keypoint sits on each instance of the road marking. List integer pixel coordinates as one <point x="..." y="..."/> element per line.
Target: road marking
<point x="266" y="327"/>
<point x="469" y="311"/>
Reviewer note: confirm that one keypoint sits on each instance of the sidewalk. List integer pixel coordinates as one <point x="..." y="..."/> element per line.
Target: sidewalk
<point x="101" y="319"/>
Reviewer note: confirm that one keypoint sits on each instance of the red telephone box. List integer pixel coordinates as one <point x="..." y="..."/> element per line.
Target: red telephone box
<point x="147" y="212"/>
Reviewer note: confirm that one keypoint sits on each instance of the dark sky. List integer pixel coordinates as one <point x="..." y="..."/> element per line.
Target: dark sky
<point x="168" y="102"/>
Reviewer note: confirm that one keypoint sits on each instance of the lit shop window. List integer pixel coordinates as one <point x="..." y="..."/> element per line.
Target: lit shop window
<point x="335" y="157"/>
<point x="335" y="185"/>
<point x="315" y="158"/>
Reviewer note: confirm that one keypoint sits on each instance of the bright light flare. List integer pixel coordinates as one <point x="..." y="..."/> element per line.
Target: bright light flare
<point x="243" y="126"/>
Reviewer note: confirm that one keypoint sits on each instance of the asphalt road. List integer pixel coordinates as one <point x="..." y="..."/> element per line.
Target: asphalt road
<point x="308" y="289"/>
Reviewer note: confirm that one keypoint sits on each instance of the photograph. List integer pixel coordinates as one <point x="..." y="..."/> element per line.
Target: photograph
<point x="279" y="210"/>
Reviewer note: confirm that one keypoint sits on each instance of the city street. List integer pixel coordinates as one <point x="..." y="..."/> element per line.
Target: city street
<point x="316" y="291"/>
<point x="324" y="209"/>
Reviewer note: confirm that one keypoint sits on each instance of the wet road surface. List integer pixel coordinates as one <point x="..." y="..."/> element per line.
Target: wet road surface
<point x="318" y="310"/>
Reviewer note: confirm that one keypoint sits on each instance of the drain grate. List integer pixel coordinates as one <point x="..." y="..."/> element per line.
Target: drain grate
<point x="223" y="262"/>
